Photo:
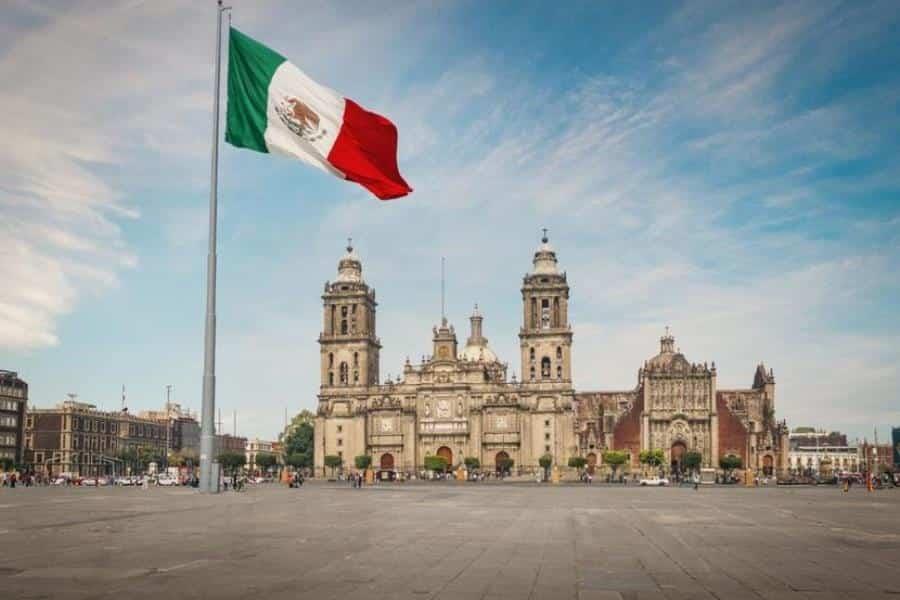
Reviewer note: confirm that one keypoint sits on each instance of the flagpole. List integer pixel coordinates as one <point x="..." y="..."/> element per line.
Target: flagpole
<point x="209" y="466"/>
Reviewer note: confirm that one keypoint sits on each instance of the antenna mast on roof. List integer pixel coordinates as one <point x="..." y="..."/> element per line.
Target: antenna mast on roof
<point x="443" y="302"/>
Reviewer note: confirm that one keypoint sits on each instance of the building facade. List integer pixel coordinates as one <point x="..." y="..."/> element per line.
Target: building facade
<point x="183" y="433"/>
<point x="13" y="404"/>
<point x="815" y="453"/>
<point x="77" y="439"/>
<point x="459" y="402"/>
<point x="256" y="446"/>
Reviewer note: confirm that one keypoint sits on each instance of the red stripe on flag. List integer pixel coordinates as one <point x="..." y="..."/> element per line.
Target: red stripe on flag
<point x="366" y="152"/>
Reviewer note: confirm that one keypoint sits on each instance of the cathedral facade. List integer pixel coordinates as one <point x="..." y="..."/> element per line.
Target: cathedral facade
<point x="459" y="402"/>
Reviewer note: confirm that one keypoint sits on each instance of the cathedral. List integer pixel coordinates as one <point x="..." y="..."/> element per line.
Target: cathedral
<point x="459" y="403"/>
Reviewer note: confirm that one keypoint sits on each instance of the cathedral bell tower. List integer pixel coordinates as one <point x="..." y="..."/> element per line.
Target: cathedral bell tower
<point x="545" y="337"/>
<point x="348" y="345"/>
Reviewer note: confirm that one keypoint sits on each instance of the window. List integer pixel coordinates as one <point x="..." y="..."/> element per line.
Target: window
<point x="356" y="359"/>
<point x="344" y="373"/>
<point x="330" y="360"/>
<point x="102" y="426"/>
<point x="558" y="372"/>
<point x="331" y="378"/>
<point x="545" y="314"/>
<point x="559" y="353"/>
<point x="343" y="326"/>
<point x="531" y="353"/>
<point x="534" y="318"/>
<point x="355" y="376"/>
<point x="9" y="420"/>
<point x="340" y="442"/>
<point x="556" y="322"/>
<point x="532" y="373"/>
<point x="547" y="436"/>
<point x="545" y="367"/>
<point x="547" y="423"/>
<point x="340" y="428"/>
<point x="546" y="448"/>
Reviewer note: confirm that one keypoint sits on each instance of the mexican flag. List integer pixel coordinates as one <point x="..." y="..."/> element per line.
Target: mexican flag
<point x="274" y="107"/>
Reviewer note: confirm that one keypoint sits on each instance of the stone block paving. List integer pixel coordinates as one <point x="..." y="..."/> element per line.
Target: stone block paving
<point x="450" y="541"/>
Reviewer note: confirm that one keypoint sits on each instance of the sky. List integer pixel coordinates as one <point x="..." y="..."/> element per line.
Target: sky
<point x="728" y="169"/>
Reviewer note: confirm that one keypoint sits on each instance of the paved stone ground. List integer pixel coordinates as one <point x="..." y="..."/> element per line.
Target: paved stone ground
<point x="449" y="540"/>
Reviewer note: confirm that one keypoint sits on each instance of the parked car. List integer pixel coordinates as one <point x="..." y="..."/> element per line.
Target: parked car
<point x="91" y="481"/>
<point x="58" y="481"/>
<point x="655" y="481"/>
<point x="167" y="481"/>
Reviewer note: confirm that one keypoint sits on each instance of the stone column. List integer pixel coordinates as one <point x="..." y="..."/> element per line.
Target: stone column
<point x="645" y="432"/>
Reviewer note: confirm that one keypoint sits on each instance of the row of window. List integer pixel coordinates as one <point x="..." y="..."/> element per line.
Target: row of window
<point x="9" y="405"/>
<point x="347" y="319"/>
<point x="547" y="317"/>
<point x="9" y="421"/>
<point x="7" y="439"/>
<point x="12" y="392"/>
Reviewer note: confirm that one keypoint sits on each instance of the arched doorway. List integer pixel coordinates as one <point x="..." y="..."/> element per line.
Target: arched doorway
<point x="447" y="454"/>
<point x="679" y="449"/>
<point x="591" y="462"/>
<point x="501" y="462"/>
<point x="768" y="466"/>
<point x="387" y="462"/>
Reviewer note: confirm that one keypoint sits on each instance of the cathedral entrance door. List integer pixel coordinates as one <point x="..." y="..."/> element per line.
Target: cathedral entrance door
<point x="387" y="462"/>
<point x="677" y="457"/>
<point x="591" y="462"/>
<point x="767" y="465"/>
<point x="501" y="462"/>
<point x="447" y="454"/>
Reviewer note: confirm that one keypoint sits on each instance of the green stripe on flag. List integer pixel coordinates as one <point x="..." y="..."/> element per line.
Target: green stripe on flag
<point x="250" y="69"/>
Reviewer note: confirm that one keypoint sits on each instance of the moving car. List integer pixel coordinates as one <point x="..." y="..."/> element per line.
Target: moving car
<point x="655" y="481"/>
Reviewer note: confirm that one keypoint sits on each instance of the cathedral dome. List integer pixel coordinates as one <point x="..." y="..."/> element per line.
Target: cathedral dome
<point x="544" y="261"/>
<point x="350" y="267"/>
<point x="476" y="349"/>
<point x="668" y="358"/>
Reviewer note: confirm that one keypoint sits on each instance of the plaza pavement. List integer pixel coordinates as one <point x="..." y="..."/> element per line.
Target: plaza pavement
<point x="449" y="540"/>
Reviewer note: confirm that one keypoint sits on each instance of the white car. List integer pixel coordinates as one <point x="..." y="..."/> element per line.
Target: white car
<point x="166" y="481"/>
<point x="655" y="481"/>
<point x="89" y="481"/>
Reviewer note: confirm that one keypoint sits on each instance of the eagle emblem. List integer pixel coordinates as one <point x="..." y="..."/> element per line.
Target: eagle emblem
<point x="300" y="118"/>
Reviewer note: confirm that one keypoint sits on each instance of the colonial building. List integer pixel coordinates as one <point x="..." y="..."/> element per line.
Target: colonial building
<point x="77" y="439"/>
<point x="183" y="428"/>
<point x="460" y="403"/>
<point x="13" y="403"/>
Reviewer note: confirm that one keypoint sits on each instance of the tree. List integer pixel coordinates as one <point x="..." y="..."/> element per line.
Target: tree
<point x="577" y="462"/>
<point x="435" y="463"/>
<point x="333" y="461"/>
<point x="266" y="460"/>
<point x="693" y="460"/>
<point x="298" y="439"/>
<point x="615" y="459"/>
<point x="6" y="464"/>
<point x="232" y="461"/>
<point x="729" y="463"/>
<point x="472" y="463"/>
<point x="652" y="458"/>
<point x="363" y="462"/>
<point x="298" y="461"/>
<point x="545" y="461"/>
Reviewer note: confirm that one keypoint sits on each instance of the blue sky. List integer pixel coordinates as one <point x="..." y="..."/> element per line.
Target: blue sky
<point x="729" y="169"/>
